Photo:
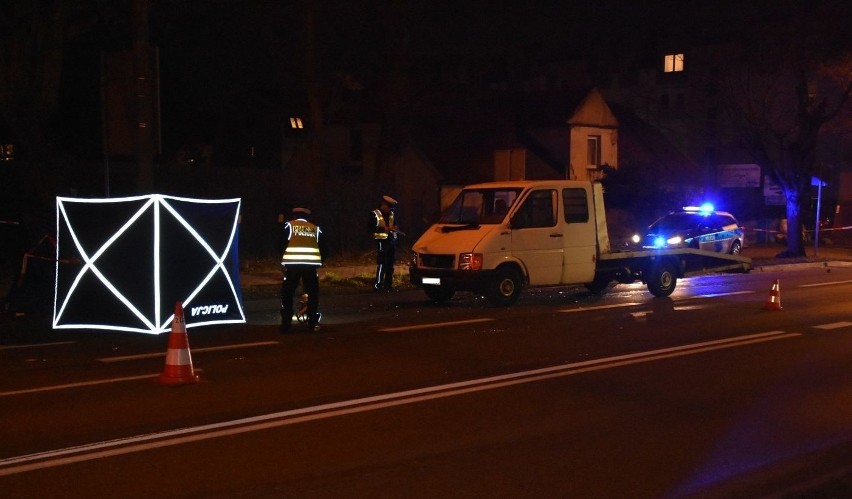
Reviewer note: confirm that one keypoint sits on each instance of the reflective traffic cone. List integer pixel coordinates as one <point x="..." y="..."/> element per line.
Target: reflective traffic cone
<point x="774" y="302"/>
<point x="178" y="370"/>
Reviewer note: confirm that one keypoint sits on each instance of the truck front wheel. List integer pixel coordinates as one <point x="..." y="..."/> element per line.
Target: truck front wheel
<point x="662" y="279"/>
<point x="504" y="288"/>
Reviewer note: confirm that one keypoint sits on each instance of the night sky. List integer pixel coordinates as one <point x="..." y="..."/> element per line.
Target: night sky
<point x="244" y="59"/>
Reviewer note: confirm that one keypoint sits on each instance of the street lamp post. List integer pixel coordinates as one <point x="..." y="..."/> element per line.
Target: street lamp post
<point x="819" y="183"/>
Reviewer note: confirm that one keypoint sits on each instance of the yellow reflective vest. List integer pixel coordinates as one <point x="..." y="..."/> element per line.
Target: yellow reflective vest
<point x="302" y="243"/>
<point x="381" y="229"/>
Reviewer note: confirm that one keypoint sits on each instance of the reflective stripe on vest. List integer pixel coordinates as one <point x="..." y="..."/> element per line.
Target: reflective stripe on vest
<point x="303" y="246"/>
<point x="381" y="228"/>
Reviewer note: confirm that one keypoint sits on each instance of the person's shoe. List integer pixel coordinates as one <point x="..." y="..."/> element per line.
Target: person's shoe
<point x="313" y="324"/>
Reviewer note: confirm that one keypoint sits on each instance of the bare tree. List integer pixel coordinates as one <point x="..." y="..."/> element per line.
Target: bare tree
<point x="794" y="78"/>
<point x="34" y="38"/>
<point x="31" y="56"/>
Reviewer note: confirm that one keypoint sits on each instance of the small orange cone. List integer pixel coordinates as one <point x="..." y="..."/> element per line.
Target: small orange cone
<point x="178" y="370"/>
<point x="774" y="302"/>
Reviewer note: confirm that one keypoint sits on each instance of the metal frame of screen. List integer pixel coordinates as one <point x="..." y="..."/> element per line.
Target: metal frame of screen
<point x="216" y="289"/>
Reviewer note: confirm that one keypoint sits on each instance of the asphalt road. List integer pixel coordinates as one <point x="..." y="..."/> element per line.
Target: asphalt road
<point x="563" y="395"/>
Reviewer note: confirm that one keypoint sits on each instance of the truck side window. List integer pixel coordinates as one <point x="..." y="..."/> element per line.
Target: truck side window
<point x="537" y="210"/>
<point x="575" y="205"/>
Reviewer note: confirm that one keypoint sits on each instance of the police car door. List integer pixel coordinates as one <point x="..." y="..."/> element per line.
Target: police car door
<point x="720" y="239"/>
<point x="705" y="234"/>
<point x="537" y="238"/>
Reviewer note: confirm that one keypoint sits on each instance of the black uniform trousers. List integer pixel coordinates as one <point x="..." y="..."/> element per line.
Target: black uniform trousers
<point x="293" y="275"/>
<point x="385" y="259"/>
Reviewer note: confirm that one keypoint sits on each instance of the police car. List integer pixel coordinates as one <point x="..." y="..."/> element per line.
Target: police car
<point x="694" y="227"/>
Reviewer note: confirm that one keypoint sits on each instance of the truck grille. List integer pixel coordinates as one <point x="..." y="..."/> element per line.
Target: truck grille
<point x="437" y="261"/>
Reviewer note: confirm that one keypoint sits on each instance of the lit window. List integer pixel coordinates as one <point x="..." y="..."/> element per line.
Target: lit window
<point x="673" y="63"/>
<point x="296" y="123"/>
<point x="593" y="154"/>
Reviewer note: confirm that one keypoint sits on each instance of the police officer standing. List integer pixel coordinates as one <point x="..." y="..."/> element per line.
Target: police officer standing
<point x="384" y="230"/>
<point x="303" y="253"/>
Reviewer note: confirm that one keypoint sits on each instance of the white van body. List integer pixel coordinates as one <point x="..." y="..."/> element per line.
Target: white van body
<point x="498" y="237"/>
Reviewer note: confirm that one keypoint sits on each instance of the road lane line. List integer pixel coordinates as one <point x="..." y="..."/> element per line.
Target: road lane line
<point x="76" y="385"/>
<point x="833" y="325"/>
<point x="99" y="450"/>
<point x="432" y="325"/>
<point x="82" y="384"/>
<point x="601" y="307"/>
<point x="194" y="350"/>
<point x="823" y="284"/>
<point x="716" y="295"/>
<point x="681" y="308"/>
<point x="36" y="345"/>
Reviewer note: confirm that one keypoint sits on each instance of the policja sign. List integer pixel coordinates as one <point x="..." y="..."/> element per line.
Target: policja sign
<point x="141" y="255"/>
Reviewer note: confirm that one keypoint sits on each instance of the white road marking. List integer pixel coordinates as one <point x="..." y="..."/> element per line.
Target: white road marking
<point x="82" y="384"/>
<point x="193" y="350"/>
<point x="140" y="443"/>
<point x="36" y="345"/>
<point x="433" y="325"/>
<point x="824" y="284"/>
<point x="601" y="307"/>
<point x="716" y="295"/>
<point x="76" y="385"/>
<point x="833" y="325"/>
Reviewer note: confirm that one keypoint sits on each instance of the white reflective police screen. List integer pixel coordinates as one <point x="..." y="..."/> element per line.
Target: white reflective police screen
<point x="141" y="255"/>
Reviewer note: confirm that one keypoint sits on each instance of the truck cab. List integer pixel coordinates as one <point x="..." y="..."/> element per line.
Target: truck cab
<point x="498" y="237"/>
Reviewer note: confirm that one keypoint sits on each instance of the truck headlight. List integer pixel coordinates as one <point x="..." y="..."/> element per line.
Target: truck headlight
<point x="470" y="261"/>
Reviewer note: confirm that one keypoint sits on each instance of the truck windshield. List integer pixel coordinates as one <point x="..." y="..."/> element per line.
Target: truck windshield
<point x="480" y="206"/>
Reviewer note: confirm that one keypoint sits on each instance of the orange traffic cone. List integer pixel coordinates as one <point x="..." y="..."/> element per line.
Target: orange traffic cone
<point x="178" y="370"/>
<point x="774" y="302"/>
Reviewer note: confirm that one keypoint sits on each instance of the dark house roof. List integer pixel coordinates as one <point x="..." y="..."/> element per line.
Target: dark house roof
<point x="459" y="132"/>
<point x="640" y="145"/>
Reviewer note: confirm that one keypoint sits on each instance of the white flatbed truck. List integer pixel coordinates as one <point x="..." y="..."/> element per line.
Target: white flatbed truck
<point x="497" y="238"/>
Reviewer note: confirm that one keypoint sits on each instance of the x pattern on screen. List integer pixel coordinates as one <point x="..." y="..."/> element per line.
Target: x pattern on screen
<point x="140" y="255"/>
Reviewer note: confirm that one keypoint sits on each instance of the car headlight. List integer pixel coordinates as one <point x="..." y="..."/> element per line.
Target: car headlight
<point x="636" y="238"/>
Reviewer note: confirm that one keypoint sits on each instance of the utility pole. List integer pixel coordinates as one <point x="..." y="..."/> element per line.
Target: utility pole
<point x="144" y="90"/>
<point x="316" y="175"/>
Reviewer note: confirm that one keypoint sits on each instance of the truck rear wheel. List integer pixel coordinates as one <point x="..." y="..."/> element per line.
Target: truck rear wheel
<point x="439" y="294"/>
<point x="504" y="288"/>
<point x="662" y="279"/>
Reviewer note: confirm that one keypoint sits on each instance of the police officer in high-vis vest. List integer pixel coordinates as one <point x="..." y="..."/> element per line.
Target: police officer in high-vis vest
<point x="383" y="227"/>
<point x="303" y="253"/>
